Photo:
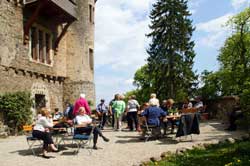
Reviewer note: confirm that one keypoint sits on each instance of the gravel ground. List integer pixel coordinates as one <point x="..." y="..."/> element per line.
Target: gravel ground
<point x="124" y="148"/>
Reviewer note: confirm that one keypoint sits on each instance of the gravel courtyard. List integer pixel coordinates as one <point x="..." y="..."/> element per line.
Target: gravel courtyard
<point x="124" y="148"/>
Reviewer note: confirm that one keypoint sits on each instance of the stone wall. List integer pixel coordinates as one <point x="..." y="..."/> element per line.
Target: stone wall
<point x="221" y="108"/>
<point x="72" y="91"/>
<point x="18" y="72"/>
<point x="12" y="80"/>
<point x="12" y="50"/>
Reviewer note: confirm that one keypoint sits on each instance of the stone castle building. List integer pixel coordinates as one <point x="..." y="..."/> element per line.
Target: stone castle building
<point x="47" y="48"/>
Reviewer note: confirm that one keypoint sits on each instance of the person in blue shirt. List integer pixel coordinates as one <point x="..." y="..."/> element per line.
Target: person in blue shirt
<point x="153" y="114"/>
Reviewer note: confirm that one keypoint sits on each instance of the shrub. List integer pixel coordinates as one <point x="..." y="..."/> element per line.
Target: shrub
<point x="17" y="108"/>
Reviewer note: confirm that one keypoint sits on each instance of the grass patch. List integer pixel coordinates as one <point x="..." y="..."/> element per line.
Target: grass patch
<point x="224" y="154"/>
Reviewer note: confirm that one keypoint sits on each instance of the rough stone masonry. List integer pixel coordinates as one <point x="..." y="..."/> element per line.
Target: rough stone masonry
<point x="54" y="74"/>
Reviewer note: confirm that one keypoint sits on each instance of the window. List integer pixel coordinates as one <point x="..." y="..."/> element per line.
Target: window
<point x="40" y="45"/>
<point x="91" y="59"/>
<point x="90" y="13"/>
<point x="93" y="15"/>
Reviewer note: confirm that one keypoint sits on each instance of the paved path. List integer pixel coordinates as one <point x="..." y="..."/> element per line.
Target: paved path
<point x="124" y="149"/>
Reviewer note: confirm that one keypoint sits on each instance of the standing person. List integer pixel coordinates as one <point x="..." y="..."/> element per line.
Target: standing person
<point x="112" y="110"/>
<point x="41" y="131"/>
<point x="68" y="113"/>
<point x="199" y="104"/>
<point x="119" y="107"/>
<point x="102" y="111"/>
<point x="154" y="100"/>
<point x="81" y="102"/>
<point x="84" y="123"/>
<point x="132" y="108"/>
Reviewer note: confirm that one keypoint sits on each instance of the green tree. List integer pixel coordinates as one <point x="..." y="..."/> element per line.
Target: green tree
<point x="212" y="85"/>
<point x="233" y="77"/>
<point x="143" y="82"/>
<point x="234" y="56"/>
<point x="171" y="53"/>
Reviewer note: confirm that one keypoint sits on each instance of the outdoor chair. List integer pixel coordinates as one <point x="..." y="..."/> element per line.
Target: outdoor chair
<point x="31" y="141"/>
<point x="62" y="132"/>
<point x="189" y="124"/>
<point x="83" y="140"/>
<point x="189" y="110"/>
<point x="150" y="131"/>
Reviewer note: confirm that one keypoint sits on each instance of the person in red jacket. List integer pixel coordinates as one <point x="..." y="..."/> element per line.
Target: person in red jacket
<point x="81" y="102"/>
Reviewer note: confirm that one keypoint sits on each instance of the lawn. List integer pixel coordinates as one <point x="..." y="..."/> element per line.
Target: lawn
<point x="223" y="154"/>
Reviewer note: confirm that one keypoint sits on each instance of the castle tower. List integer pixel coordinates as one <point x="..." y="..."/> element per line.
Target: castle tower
<point x="47" y="48"/>
<point x="80" y="53"/>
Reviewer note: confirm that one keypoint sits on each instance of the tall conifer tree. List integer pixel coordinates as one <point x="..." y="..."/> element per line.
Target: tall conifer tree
<point x="171" y="51"/>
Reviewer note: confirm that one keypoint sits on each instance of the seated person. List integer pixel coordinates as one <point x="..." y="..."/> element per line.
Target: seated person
<point x="171" y="110"/>
<point x="84" y="122"/>
<point x="153" y="114"/>
<point x="141" y="120"/>
<point x="41" y="131"/>
<point x="165" y="109"/>
<point x="153" y="99"/>
<point x="57" y="115"/>
<point x="187" y="104"/>
<point x="199" y="104"/>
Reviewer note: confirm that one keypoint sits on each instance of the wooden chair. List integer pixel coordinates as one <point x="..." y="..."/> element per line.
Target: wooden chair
<point x="189" y="110"/>
<point x="31" y="141"/>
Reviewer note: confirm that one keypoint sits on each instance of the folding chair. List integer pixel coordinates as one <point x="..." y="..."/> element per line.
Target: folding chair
<point x="83" y="140"/>
<point x="31" y="141"/>
<point x="151" y="131"/>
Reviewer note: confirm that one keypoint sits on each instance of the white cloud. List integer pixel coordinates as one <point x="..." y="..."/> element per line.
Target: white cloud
<point x="120" y="43"/>
<point x="193" y="5"/>
<point x="215" y="31"/>
<point x="109" y="85"/>
<point x="129" y="81"/>
<point x="137" y="5"/>
<point x="237" y="4"/>
<point x="215" y="25"/>
<point x="120" y="37"/>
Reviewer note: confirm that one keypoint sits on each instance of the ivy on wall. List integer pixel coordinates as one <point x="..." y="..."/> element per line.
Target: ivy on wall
<point x="17" y="109"/>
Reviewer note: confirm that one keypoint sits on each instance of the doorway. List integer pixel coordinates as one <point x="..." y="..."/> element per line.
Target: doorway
<point x="40" y="101"/>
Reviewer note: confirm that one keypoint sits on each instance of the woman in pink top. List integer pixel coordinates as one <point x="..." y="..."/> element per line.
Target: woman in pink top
<point x="81" y="102"/>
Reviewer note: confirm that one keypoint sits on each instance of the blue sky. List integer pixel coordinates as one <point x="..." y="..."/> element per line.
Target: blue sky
<point x="120" y="42"/>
